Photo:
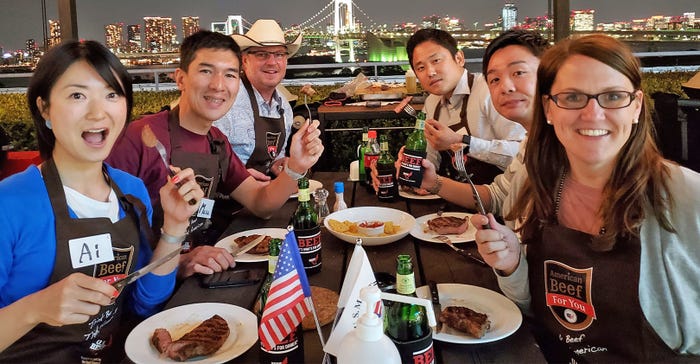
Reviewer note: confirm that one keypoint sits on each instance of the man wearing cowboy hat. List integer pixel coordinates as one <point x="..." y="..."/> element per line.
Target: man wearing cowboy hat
<point x="259" y="122"/>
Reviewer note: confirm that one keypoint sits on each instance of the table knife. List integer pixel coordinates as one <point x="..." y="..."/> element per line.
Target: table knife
<point x="120" y="284"/>
<point x="461" y="252"/>
<point x="245" y="248"/>
<point x="435" y="298"/>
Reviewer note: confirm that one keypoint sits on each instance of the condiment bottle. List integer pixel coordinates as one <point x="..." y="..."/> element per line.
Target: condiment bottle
<point x="339" y="204"/>
<point x="307" y="230"/>
<point x="407" y="324"/>
<point x="411" y="170"/>
<point x="411" y="86"/>
<point x="386" y="172"/>
<point x="367" y="342"/>
<point x="291" y="348"/>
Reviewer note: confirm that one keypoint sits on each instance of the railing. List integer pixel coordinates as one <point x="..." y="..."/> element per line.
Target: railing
<point x="335" y="73"/>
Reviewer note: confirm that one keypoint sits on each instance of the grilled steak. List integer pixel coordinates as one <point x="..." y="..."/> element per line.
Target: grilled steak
<point x="466" y="320"/>
<point x="204" y="339"/>
<point x="448" y="225"/>
<point x="262" y="248"/>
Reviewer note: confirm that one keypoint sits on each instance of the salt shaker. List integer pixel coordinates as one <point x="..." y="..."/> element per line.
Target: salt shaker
<point x="320" y="196"/>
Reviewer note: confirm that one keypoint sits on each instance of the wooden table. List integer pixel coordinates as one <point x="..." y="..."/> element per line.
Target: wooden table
<point x="434" y="262"/>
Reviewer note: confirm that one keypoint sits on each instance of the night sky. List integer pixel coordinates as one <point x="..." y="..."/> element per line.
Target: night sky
<point x="21" y="19"/>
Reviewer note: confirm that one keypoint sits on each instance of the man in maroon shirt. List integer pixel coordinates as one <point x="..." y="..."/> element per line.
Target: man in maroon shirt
<point x="208" y="78"/>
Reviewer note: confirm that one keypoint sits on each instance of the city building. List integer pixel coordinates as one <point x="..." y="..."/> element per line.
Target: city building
<point x="190" y="25"/>
<point x="582" y="20"/>
<point x="133" y="38"/>
<point x="509" y="14"/>
<point x="54" y="37"/>
<point x="114" y="37"/>
<point x="159" y="34"/>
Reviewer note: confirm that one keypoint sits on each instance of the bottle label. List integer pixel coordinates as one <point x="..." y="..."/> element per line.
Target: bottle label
<point x="387" y="185"/>
<point x="405" y="283"/>
<point x="304" y="195"/>
<point x="272" y="264"/>
<point x="411" y="171"/>
<point x="289" y="350"/>
<point x="369" y="158"/>
<point x="309" y="242"/>
<point x="420" y="124"/>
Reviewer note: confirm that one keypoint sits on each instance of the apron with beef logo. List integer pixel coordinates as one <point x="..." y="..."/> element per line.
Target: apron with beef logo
<point x="270" y="135"/>
<point x="77" y="250"/>
<point x="483" y="173"/>
<point x="589" y="300"/>
<point x="209" y="169"/>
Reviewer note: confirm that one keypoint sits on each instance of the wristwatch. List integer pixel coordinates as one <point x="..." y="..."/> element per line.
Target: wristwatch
<point x="295" y="176"/>
<point x="466" y="139"/>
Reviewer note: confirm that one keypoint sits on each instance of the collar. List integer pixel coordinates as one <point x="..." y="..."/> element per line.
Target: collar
<point x="458" y="93"/>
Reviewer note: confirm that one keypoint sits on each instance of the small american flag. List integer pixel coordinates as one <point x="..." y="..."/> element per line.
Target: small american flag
<point x="285" y="306"/>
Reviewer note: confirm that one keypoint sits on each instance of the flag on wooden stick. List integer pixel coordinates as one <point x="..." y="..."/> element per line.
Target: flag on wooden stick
<point x="286" y="305"/>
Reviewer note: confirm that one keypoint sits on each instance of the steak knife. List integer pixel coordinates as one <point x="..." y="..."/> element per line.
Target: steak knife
<point x="461" y="252"/>
<point x="245" y="248"/>
<point x="435" y="298"/>
<point x="120" y="284"/>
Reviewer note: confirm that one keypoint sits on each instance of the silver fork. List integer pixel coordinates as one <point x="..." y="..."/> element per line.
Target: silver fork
<point x="410" y="110"/>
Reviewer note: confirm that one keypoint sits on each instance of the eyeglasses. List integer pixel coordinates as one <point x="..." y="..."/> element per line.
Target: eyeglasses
<point x="606" y="100"/>
<point x="265" y="55"/>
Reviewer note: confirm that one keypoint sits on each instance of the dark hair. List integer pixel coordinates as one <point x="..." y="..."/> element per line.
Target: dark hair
<point x="640" y="176"/>
<point x="52" y="66"/>
<point x="205" y="39"/>
<point x="440" y="37"/>
<point x="529" y="39"/>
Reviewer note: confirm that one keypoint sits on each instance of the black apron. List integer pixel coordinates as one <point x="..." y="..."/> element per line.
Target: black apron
<point x="270" y="135"/>
<point x="98" y="339"/>
<point x="483" y="173"/>
<point x="589" y="300"/>
<point x="209" y="169"/>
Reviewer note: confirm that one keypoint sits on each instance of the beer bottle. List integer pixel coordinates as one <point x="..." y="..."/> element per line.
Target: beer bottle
<point x="411" y="170"/>
<point x="291" y="348"/>
<point x="361" y="155"/>
<point x="307" y="230"/>
<point x="406" y="324"/>
<point x="386" y="172"/>
<point x="371" y="155"/>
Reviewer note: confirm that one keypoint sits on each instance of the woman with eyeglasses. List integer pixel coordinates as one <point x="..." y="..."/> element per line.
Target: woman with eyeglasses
<point x="608" y="254"/>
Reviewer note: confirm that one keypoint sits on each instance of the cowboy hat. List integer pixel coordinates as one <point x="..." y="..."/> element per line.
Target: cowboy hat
<point x="265" y="33"/>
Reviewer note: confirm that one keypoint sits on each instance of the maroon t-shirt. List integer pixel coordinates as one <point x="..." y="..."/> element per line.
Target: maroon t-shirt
<point x="129" y="154"/>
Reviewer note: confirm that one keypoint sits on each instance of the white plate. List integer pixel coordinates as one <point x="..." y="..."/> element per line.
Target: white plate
<point x="418" y="231"/>
<point x="413" y="196"/>
<point x="366" y="213"/>
<point x="178" y="320"/>
<point x="228" y="242"/>
<point x="313" y="186"/>
<point x="504" y="314"/>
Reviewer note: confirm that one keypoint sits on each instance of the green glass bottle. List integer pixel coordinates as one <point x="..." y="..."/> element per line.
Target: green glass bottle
<point x="361" y="155"/>
<point x="307" y="230"/>
<point x="405" y="321"/>
<point x="371" y="155"/>
<point x="411" y="170"/>
<point x="386" y="172"/>
<point x="291" y="348"/>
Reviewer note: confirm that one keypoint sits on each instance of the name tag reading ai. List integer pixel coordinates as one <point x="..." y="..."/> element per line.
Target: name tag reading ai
<point x="90" y="250"/>
<point x="205" y="208"/>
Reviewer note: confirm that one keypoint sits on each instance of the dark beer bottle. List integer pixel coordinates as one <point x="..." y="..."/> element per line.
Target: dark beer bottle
<point x="386" y="172"/>
<point x="307" y="230"/>
<point x="411" y="170"/>
<point x="406" y="324"/>
<point x="371" y="155"/>
<point x="291" y="348"/>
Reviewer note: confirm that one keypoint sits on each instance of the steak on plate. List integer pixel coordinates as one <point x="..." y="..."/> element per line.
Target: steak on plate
<point x="448" y="225"/>
<point x="262" y="248"/>
<point x="203" y="340"/>
<point x="473" y="323"/>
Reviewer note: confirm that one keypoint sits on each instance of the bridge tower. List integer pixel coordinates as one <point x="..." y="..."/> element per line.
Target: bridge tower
<point x="344" y="23"/>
